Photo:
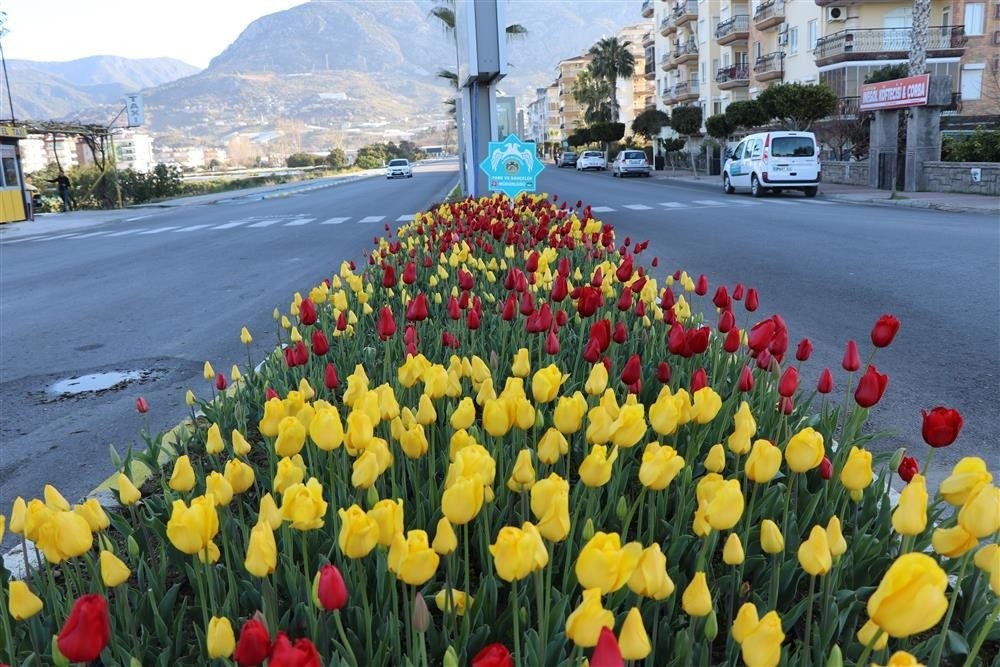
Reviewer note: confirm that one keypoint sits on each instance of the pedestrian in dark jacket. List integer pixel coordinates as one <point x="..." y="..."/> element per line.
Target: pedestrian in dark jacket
<point x="63" y="181"/>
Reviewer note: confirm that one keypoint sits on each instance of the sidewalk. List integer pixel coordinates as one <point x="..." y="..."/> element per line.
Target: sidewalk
<point x="942" y="201"/>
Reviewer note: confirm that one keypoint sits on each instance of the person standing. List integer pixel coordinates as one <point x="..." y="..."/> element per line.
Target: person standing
<point x="63" y="182"/>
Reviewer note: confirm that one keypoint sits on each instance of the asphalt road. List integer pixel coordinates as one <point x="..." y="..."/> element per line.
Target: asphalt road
<point x="167" y="289"/>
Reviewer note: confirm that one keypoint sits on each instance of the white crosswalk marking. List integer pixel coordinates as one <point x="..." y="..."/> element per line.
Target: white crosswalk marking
<point x="637" y="207"/>
<point x="299" y="222"/>
<point x="160" y="230"/>
<point x="601" y="209"/>
<point x="334" y="221"/>
<point x="372" y="218"/>
<point x="265" y="223"/>
<point x="674" y="204"/>
<point x="406" y="218"/>
<point x="713" y="202"/>
<point x="53" y="238"/>
<point x="125" y="233"/>
<point x="191" y="228"/>
<point x="816" y="201"/>
<point x="86" y="236"/>
<point x="230" y="225"/>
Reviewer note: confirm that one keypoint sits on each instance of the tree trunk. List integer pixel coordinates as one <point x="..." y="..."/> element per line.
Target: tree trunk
<point x="918" y="43"/>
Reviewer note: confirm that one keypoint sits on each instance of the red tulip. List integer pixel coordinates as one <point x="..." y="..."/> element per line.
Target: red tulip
<point x="732" y="342"/>
<point x="269" y="394"/>
<point x="493" y="655"/>
<point x="607" y="653"/>
<point x="625" y="269"/>
<point x="601" y="330"/>
<point x="759" y="338"/>
<point x="254" y="644"/>
<point x="738" y="291"/>
<point x="589" y="300"/>
<point x="752" y="301"/>
<point x="871" y="386"/>
<point x="307" y="311"/>
<point x="701" y="287"/>
<point x="656" y="262"/>
<point x="592" y="351"/>
<point x="300" y="352"/>
<point x="561" y="317"/>
<point x="560" y="288"/>
<point x="220" y="381"/>
<point x="465" y="280"/>
<point x="699" y="380"/>
<point x="472" y="320"/>
<point x="789" y="382"/>
<point x="87" y="630"/>
<point x="721" y="298"/>
<point x="320" y="343"/>
<point x="330" y="379"/>
<point x="342" y="322"/>
<point x="331" y="590"/>
<point x="804" y="350"/>
<point x="598" y="279"/>
<point x="454" y="312"/>
<point x="852" y="360"/>
<point x="410" y="273"/>
<point x="141" y="406"/>
<point x="941" y="426"/>
<point x="417" y="309"/>
<point x="677" y="341"/>
<point x="908" y="467"/>
<point x="746" y="379"/>
<point x="300" y="654"/>
<point x="632" y="370"/>
<point x="625" y="300"/>
<point x="884" y="331"/>
<point x="726" y="321"/>
<point x="786" y="405"/>
<point x="552" y="343"/>
<point x="620" y="334"/>
<point x="825" y="384"/>
<point x="663" y="372"/>
<point x="509" y="311"/>
<point x="826" y="468"/>
<point x="667" y="299"/>
<point x="532" y="263"/>
<point x="527" y="305"/>
<point x="697" y="339"/>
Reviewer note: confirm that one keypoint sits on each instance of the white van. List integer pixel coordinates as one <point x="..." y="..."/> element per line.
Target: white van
<point x="774" y="161"/>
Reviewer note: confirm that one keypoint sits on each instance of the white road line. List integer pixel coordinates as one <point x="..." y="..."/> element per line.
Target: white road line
<point x="781" y="202"/>
<point x="263" y="223"/>
<point x="713" y="202"/>
<point x="84" y="236"/>
<point x="601" y="209"/>
<point x="53" y="238"/>
<point x="230" y="225"/>
<point x="816" y="201"/>
<point x="139" y="217"/>
<point x="406" y="218"/>
<point x="674" y="204"/>
<point x="191" y="228"/>
<point x="299" y="222"/>
<point x="372" y="218"/>
<point x="157" y="231"/>
<point x="124" y="233"/>
<point x="637" y="207"/>
<point x="334" y="221"/>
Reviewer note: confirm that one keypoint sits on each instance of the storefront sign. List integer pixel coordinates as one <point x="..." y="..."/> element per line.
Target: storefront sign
<point x="896" y="94"/>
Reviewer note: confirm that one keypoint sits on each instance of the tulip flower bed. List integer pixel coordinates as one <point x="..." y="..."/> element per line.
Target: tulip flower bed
<point x="507" y="441"/>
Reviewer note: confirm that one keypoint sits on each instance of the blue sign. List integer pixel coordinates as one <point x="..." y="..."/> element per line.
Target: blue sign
<point x="512" y="166"/>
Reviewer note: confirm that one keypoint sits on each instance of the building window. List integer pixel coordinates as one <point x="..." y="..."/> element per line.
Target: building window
<point x="946" y="15"/>
<point x="974" y="18"/>
<point x="725" y="60"/>
<point x="704" y="67"/>
<point x="716" y="108"/>
<point x="793" y="40"/>
<point x="972" y="81"/>
<point x="756" y="51"/>
<point x="813" y="27"/>
<point x="702" y="31"/>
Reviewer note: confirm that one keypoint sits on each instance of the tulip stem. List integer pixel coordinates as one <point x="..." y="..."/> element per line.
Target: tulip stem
<point x="863" y="660"/>
<point x="8" y="637"/>
<point x="468" y="589"/>
<point x="517" y="623"/>
<point x="927" y="461"/>
<point x="543" y="625"/>
<point x="809" y="615"/>
<point x="343" y="637"/>
<point x="793" y="478"/>
<point x="981" y="637"/>
<point x="773" y="600"/>
<point x="939" y="647"/>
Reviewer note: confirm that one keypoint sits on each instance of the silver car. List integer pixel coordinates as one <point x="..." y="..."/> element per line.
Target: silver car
<point x="398" y="168"/>
<point x="631" y="162"/>
<point x="591" y="160"/>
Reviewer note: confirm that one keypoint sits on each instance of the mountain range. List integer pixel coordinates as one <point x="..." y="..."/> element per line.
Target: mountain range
<point x="319" y="67"/>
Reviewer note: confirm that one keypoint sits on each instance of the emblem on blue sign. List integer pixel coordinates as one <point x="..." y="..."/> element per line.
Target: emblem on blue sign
<point x="511" y="166"/>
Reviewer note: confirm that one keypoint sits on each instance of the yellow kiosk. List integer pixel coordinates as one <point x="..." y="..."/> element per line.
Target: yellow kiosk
<point x="13" y="200"/>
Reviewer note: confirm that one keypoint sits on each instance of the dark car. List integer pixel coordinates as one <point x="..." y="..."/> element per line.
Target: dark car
<point x="567" y="159"/>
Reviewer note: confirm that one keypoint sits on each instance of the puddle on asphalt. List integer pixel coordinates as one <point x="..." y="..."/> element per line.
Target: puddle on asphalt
<point x="99" y="382"/>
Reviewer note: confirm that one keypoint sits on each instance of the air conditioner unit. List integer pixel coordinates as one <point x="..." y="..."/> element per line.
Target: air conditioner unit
<point x="836" y="14"/>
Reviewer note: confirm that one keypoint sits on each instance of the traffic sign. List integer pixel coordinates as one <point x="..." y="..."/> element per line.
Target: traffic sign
<point x="512" y="166"/>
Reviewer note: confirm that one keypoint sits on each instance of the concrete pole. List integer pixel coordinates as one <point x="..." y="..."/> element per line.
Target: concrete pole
<point x="918" y="41"/>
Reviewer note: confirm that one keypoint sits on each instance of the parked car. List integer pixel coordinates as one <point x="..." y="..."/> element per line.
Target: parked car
<point x="398" y="168"/>
<point x="631" y="162"/>
<point x="567" y="159"/>
<point x="774" y="161"/>
<point x="591" y="160"/>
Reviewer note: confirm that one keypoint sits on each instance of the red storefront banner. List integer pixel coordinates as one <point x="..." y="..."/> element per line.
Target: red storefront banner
<point x="895" y="94"/>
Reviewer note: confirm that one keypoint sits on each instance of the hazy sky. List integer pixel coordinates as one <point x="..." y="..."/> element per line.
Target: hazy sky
<point x="194" y="31"/>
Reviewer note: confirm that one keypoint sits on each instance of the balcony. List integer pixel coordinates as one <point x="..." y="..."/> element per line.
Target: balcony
<point x="647" y="8"/>
<point x="887" y="44"/>
<point x="649" y="70"/>
<point x="685" y="52"/>
<point x="685" y="91"/>
<point x="735" y="76"/>
<point x="770" y="66"/>
<point x="648" y="40"/>
<point x="735" y="29"/>
<point x="843" y="3"/>
<point x="769" y="14"/>
<point x="667" y="26"/>
<point x="666" y="64"/>
<point x="684" y="12"/>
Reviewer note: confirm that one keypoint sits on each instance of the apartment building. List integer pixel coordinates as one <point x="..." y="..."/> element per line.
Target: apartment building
<point x="570" y="112"/>
<point x="636" y="92"/>
<point x="980" y="63"/>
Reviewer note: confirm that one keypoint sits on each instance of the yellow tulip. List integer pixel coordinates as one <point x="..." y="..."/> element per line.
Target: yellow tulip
<point x="650" y="578"/>
<point x="706" y="405"/>
<point x="65" y="535"/>
<point x="596" y="467"/>
<point x="464" y="415"/>
<point x="462" y="501"/>
<point x="262" y="550"/>
<point x="189" y="398"/>
<point x="696" y="599"/>
<point x="518" y="552"/>
<point x="22" y="603"/>
<point x="814" y="554"/>
<point x="182" y="478"/>
<point x="965" y="479"/>
<point x="764" y="461"/>
<point x="388" y="514"/>
<point x="953" y="542"/>
<point x="600" y="426"/>
<point x="732" y="552"/>
<point x="303" y="506"/>
<point x="866" y="635"/>
<point x="207" y="371"/>
<point x="326" y="430"/>
<point x="910" y="515"/>
<point x="659" y="467"/>
<point x="857" y="472"/>
<point x="274" y="412"/>
<point x="980" y="515"/>
<point x="901" y="659"/>
<point x="725" y="507"/>
<point x="445" y="540"/>
<point x="630" y="425"/>
<point x="771" y="539"/>
<point x="604" y="563"/>
<point x="291" y="437"/>
<point x="127" y="491"/>
<point x="219" y="488"/>
<point x="522" y="477"/>
<point x="472" y="461"/>
<point x="413" y="441"/>
<point x="291" y="470"/>
<point x="988" y="558"/>
<point x="911" y="596"/>
<point x="359" y="532"/>
<point x="35" y="515"/>
<point x="496" y="419"/>
<point x="683" y="406"/>
<point x="835" y="537"/>
<point x="521" y="366"/>
<point x="245" y="336"/>
<point x="459" y="599"/>
<point x="552" y="446"/>
<point x="269" y="512"/>
<point x="745" y="622"/>
<point x="550" y="506"/>
<point x="220" y="639"/>
<point x="744" y="422"/>
<point x="761" y="645"/>
<point x="597" y="380"/>
<point x="365" y="470"/>
<point x="3" y="526"/>
<point x="805" y="450"/>
<point x="584" y="624"/>
<point x="240" y="445"/>
<point x="214" y="444"/>
<point x="569" y="412"/>
<point x="93" y="514"/>
<point x="359" y="432"/>
<point x="411" y="558"/>
<point x="716" y="459"/>
<point x="190" y="529"/>
<point x="632" y="639"/>
<point x="545" y="383"/>
<point x="239" y="475"/>
<point x="113" y="571"/>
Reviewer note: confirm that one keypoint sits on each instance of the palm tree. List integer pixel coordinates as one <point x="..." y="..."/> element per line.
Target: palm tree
<point x="591" y="92"/>
<point x="612" y="61"/>
<point x="446" y="15"/>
